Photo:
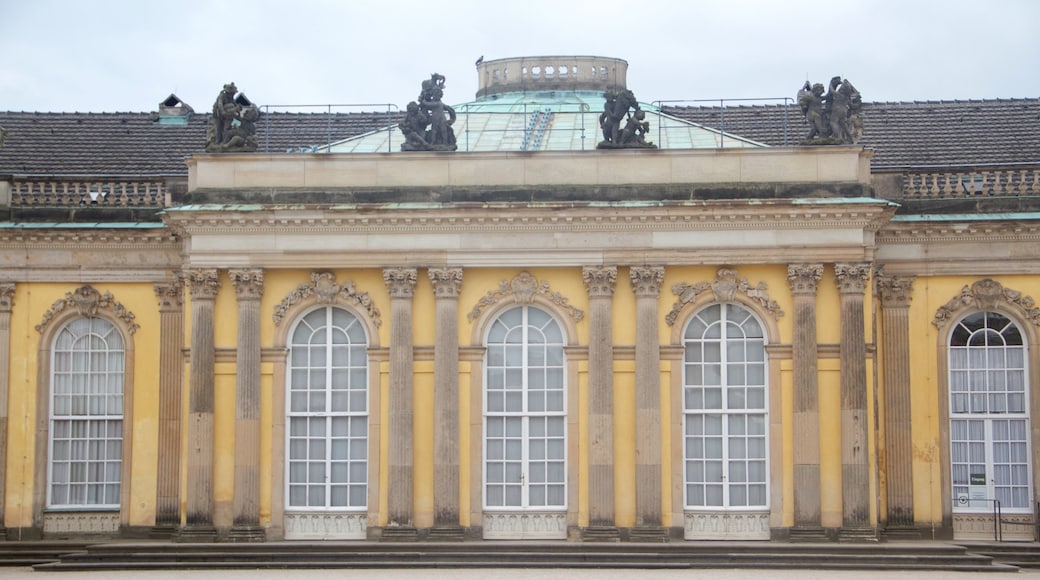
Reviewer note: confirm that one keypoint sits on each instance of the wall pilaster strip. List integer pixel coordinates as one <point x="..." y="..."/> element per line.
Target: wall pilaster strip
<point x="6" y="304"/>
<point x="401" y="284"/>
<point x="804" y="279"/>
<point x="171" y="380"/>
<point x="599" y="282"/>
<point x="895" y="294"/>
<point x="249" y="288"/>
<point x="447" y="283"/>
<point x="646" y="284"/>
<point x="855" y="476"/>
<point x="204" y="284"/>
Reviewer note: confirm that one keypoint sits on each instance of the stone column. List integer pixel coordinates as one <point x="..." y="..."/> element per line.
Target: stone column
<point x="599" y="281"/>
<point x="803" y="279"/>
<point x="205" y="283"/>
<point x="249" y="287"/>
<point x="447" y="282"/>
<point x="401" y="284"/>
<point x="895" y="341"/>
<point x="6" y="304"/>
<point x="855" y="469"/>
<point x="646" y="283"/>
<point x="171" y="380"/>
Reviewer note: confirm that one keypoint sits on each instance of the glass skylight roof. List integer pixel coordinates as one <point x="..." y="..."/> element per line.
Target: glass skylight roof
<point x="544" y="121"/>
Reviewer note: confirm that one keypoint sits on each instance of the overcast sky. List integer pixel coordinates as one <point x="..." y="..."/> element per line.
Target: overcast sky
<point x="128" y="55"/>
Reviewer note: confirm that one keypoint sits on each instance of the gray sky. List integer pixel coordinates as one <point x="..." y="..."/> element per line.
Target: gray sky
<point x="128" y="55"/>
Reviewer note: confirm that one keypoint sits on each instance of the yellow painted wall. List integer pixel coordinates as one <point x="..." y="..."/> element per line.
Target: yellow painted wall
<point x="31" y="303"/>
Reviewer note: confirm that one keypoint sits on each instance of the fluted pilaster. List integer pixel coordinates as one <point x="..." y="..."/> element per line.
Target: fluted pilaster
<point x="171" y="380"/>
<point x="803" y="279"/>
<point x="600" y="282"/>
<point x="447" y="283"/>
<point x="646" y="284"/>
<point x="204" y="284"/>
<point x="249" y="288"/>
<point x="401" y="284"/>
<point x="895" y="294"/>
<point x="855" y="475"/>
<point x="6" y="304"/>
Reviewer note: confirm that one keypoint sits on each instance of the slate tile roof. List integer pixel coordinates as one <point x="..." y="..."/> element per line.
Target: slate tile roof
<point x="902" y="134"/>
<point x="95" y="144"/>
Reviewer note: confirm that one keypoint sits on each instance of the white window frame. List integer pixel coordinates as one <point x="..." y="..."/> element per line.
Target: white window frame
<point x="989" y="374"/>
<point x="723" y="411"/>
<point x="526" y="416"/>
<point x="96" y="427"/>
<point x="352" y="441"/>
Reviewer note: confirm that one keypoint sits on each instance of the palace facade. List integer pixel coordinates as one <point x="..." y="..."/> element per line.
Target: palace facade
<point x="728" y="336"/>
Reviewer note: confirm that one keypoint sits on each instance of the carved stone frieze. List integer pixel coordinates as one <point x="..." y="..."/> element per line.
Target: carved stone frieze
<point x="525" y="525"/>
<point x="248" y="282"/>
<point x="330" y="526"/>
<point x="804" y="278"/>
<point x="400" y="281"/>
<point x="599" y="280"/>
<point x="447" y="282"/>
<point x="725" y="286"/>
<point x="204" y="283"/>
<point x="852" y="278"/>
<point x="88" y="302"/>
<point x="646" y="280"/>
<point x="726" y="525"/>
<point x="522" y="289"/>
<point x="324" y="288"/>
<point x="6" y="297"/>
<point x="895" y="290"/>
<point x="987" y="294"/>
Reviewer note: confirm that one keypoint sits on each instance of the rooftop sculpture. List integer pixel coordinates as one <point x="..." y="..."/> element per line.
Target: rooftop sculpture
<point x="621" y="105"/>
<point x="427" y="123"/>
<point x="233" y="125"/>
<point x="834" y="118"/>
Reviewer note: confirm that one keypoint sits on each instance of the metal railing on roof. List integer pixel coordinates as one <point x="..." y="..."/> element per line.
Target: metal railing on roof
<point x="283" y="136"/>
<point x="722" y="104"/>
<point x="329" y="115"/>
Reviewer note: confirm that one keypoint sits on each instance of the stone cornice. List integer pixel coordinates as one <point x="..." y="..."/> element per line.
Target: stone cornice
<point x="962" y="232"/>
<point x="530" y="217"/>
<point x="107" y="239"/>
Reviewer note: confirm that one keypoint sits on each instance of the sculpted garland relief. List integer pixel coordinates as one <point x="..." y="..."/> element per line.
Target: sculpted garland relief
<point x="88" y="301"/>
<point x="522" y="289"/>
<point x="725" y="286"/>
<point x="326" y="290"/>
<point x="987" y="295"/>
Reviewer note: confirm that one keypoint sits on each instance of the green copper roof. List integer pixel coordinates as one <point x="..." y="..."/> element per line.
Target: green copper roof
<point x="544" y="121"/>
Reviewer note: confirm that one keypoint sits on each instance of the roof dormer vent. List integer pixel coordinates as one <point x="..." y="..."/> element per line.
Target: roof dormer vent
<point x="173" y="111"/>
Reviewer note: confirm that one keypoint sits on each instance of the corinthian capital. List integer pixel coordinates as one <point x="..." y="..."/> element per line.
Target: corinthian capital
<point x="400" y="281"/>
<point x="447" y="282"/>
<point x="852" y="278"/>
<point x="204" y="283"/>
<point x="895" y="290"/>
<point x="803" y="278"/>
<point x="6" y="296"/>
<point x="599" y="280"/>
<point x="249" y="282"/>
<point x="646" y="280"/>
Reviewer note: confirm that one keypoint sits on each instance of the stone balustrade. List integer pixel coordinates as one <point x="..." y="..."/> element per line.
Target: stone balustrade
<point x="966" y="182"/>
<point x="69" y="193"/>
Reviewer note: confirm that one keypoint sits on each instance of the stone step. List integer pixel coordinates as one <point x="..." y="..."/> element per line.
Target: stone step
<point x="499" y="555"/>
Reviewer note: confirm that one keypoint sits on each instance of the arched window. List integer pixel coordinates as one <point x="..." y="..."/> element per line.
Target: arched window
<point x="725" y="419"/>
<point x="989" y="414"/>
<point x="86" y="416"/>
<point x="525" y="413"/>
<point x="327" y="413"/>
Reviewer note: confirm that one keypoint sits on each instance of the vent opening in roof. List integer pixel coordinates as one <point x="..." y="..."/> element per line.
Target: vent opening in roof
<point x="173" y="111"/>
